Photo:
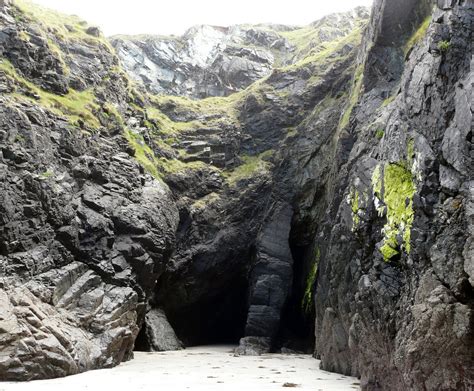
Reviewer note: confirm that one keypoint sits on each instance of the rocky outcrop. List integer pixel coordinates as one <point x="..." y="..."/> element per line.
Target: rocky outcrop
<point x="393" y="297"/>
<point x="158" y="335"/>
<point x="205" y="61"/>
<point x="218" y="61"/>
<point x="80" y="250"/>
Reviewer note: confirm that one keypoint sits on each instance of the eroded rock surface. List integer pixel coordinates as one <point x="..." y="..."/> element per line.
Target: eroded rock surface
<point x="218" y="61"/>
<point x="80" y="247"/>
<point x="331" y="198"/>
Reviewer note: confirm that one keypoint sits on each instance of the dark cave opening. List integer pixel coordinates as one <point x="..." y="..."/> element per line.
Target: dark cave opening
<point x="216" y="319"/>
<point x="297" y="325"/>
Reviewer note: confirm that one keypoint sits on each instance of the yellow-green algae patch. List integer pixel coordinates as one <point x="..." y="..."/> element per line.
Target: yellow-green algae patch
<point x="307" y="302"/>
<point x="398" y="188"/>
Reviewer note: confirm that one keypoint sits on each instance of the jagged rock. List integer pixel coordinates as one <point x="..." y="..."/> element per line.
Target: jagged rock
<point x="80" y="252"/>
<point x="376" y="306"/>
<point x="213" y="61"/>
<point x="218" y="61"/>
<point x="94" y="31"/>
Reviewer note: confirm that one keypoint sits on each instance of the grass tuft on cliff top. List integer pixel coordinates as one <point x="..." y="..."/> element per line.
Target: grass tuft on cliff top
<point x="66" y="27"/>
<point x="327" y="51"/>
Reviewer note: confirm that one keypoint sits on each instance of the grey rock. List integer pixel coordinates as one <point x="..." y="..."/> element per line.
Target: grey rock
<point x="253" y="346"/>
<point x="159" y="332"/>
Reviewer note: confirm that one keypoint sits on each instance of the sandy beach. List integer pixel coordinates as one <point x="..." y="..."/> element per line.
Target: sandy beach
<point x="200" y="368"/>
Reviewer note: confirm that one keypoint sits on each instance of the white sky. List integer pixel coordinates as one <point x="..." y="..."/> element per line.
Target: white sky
<point x="175" y="16"/>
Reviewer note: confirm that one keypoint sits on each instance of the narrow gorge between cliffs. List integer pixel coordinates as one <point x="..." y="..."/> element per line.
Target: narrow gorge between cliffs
<point x="255" y="194"/>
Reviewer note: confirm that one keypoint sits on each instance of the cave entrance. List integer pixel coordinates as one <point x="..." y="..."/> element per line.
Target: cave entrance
<point x="297" y="320"/>
<point x="215" y="319"/>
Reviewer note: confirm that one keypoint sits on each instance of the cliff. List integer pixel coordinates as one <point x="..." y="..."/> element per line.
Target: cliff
<point x="297" y="188"/>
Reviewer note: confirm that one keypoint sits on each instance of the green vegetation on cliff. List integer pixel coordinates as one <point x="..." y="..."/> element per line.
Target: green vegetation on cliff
<point x="329" y="51"/>
<point x="353" y="97"/>
<point x="418" y="35"/>
<point x="398" y="189"/>
<point x="251" y="166"/>
<point x="76" y="105"/>
<point x="65" y="27"/>
<point x="143" y="153"/>
<point x="308" y="301"/>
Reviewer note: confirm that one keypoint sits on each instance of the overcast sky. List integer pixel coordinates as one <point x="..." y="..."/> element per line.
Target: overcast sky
<point x="175" y="16"/>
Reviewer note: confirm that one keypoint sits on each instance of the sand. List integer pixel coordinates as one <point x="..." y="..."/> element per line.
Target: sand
<point x="200" y="369"/>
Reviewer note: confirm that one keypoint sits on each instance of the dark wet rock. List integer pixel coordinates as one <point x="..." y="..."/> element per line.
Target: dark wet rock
<point x="80" y="252"/>
<point x="159" y="336"/>
<point x="375" y="310"/>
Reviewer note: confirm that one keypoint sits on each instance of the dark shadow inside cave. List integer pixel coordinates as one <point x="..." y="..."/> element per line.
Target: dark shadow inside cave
<point x="297" y="325"/>
<point x="214" y="319"/>
<point x="218" y="319"/>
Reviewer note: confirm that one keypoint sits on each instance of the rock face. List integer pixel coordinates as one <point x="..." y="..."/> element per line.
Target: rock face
<point x="80" y="249"/>
<point x="218" y="61"/>
<point x="206" y="61"/>
<point x="394" y="296"/>
<point x="321" y="201"/>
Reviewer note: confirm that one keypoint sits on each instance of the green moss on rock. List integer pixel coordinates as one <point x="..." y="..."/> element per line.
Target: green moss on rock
<point x="398" y="191"/>
<point x="143" y="153"/>
<point x="307" y="301"/>
<point x="64" y="27"/>
<point x="354" y="200"/>
<point x="76" y="105"/>
<point x="418" y="35"/>
<point x="251" y="166"/>
<point x="354" y="96"/>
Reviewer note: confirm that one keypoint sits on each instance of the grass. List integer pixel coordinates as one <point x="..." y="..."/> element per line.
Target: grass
<point x="47" y="174"/>
<point x="252" y="165"/>
<point x="174" y="166"/>
<point x="57" y="52"/>
<point x="65" y="27"/>
<point x="205" y="201"/>
<point x="354" y="197"/>
<point x="24" y="36"/>
<point x="418" y="35"/>
<point x="165" y="124"/>
<point x="444" y="46"/>
<point x="75" y="105"/>
<point x="308" y="42"/>
<point x="379" y="133"/>
<point x="389" y="100"/>
<point x="155" y="166"/>
<point x="354" y="96"/>
<point x="113" y="113"/>
<point x="327" y="51"/>
<point x="143" y="153"/>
